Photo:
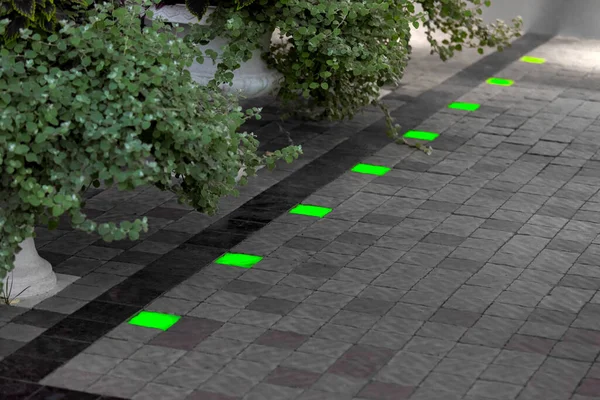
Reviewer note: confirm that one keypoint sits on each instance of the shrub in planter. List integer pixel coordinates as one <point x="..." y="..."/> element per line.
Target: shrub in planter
<point x="338" y="54"/>
<point x="106" y="102"/>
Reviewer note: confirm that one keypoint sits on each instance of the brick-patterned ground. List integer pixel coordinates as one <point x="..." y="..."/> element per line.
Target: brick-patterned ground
<point x="469" y="274"/>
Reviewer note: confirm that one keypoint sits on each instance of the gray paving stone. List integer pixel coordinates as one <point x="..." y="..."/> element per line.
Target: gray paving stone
<point x="154" y="391"/>
<point x="20" y="332"/>
<point x="468" y="269"/>
<point x="71" y="379"/>
<point x="228" y="385"/>
<point x="116" y="386"/>
<point x="183" y="378"/>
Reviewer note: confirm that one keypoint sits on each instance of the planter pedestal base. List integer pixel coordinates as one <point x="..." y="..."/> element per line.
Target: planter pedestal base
<point x="32" y="274"/>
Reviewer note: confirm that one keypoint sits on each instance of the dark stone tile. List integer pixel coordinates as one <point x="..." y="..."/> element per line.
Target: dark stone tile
<point x="52" y="393"/>
<point x="8" y="346"/>
<point x="136" y="257"/>
<point x="412" y="166"/>
<point x="316" y="270"/>
<point x="51" y="348"/>
<point x="386" y="391"/>
<point x="272" y="306"/>
<point x="291" y="377"/>
<point x="361" y="362"/>
<point x="530" y="344"/>
<point x="53" y="258"/>
<point x="203" y="395"/>
<point x="461" y="265"/>
<point x="196" y="326"/>
<point x="217" y="239"/>
<point x="305" y="243"/>
<point x="166" y="213"/>
<point x="281" y="339"/>
<point x="444" y="239"/>
<point x="357" y="238"/>
<point x="236" y="226"/>
<point x="581" y="282"/>
<point x="245" y="287"/>
<point x="131" y="293"/>
<point x="78" y="329"/>
<point x="15" y="390"/>
<point x="589" y="387"/>
<point x="369" y="306"/>
<point x="27" y="368"/>
<point x="39" y="318"/>
<point x="567" y="245"/>
<point x="500" y="225"/>
<point x="381" y="219"/>
<point x="586" y="336"/>
<point x="170" y="237"/>
<point x="77" y="266"/>
<point x="450" y="316"/>
<point x="116" y="244"/>
<point x="259" y="215"/>
<point x="107" y="313"/>
<point x="177" y="340"/>
<point x="542" y="315"/>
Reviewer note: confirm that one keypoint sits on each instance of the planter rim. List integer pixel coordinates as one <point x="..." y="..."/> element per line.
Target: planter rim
<point x="182" y="15"/>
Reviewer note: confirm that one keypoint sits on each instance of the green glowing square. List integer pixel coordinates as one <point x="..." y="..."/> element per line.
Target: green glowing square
<point x="421" y="135"/>
<point x="500" y="82"/>
<point x="533" y="60"/>
<point x="238" y="260"/>
<point x="156" y="320"/>
<point x="370" y="169"/>
<point x="311" y="211"/>
<point x="464" y="106"/>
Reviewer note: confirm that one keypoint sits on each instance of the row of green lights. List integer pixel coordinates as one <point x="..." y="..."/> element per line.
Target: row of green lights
<point x="163" y="321"/>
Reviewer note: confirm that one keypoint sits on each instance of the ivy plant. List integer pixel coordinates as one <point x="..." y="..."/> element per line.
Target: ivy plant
<point x="337" y="54"/>
<point x="104" y="102"/>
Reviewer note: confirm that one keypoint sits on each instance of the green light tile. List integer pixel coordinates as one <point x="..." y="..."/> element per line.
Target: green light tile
<point x="420" y="135"/>
<point x="370" y="169"/>
<point x="156" y="320"/>
<point x="500" y="82"/>
<point x="533" y="60"/>
<point x="464" y="106"/>
<point x="238" y="260"/>
<point x="311" y="211"/>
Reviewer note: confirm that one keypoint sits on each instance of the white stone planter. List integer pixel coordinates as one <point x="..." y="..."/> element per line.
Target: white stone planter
<point x="252" y="79"/>
<point x="32" y="275"/>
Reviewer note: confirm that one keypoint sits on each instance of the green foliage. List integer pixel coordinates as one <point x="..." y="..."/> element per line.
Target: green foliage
<point x="104" y="102"/>
<point x="464" y="27"/>
<point x="38" y="15"/>
<point x="337" y="54"/>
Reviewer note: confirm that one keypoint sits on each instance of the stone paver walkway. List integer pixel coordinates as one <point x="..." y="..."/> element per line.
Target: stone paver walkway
<point x="469" y="274"/>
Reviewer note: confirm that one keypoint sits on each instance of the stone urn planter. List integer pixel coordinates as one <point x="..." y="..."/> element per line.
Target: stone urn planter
<point x="253" y="79"/>
<point x="32" y="275"/>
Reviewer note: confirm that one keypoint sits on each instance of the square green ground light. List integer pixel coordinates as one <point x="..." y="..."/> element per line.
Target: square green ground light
<point x="464" y="106"/>
<point x="370" y="169"/>
<point x="420" y="135"/>
<point x="311" y="211"/>
<point x="500" y="82"/>
<point x="156" y="320"/>
<point x="533" y="60"/>
<point x="238" y="260"/>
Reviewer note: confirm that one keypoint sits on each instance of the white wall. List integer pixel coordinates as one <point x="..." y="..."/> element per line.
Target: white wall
<point x="578" y="18"/>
